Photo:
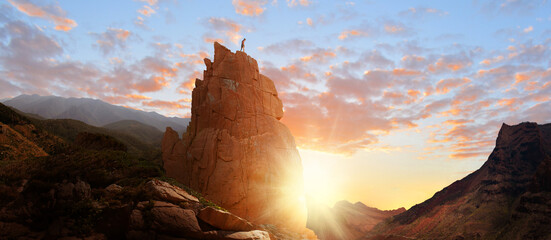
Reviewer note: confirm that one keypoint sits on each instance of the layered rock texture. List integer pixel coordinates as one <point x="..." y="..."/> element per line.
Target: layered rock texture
<point x="345" y="220"/>
<point x="509" y="197"/>
<point x="235" y="151"/>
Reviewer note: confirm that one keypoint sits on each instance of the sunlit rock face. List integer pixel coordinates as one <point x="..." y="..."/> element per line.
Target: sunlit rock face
<point x="235" y="151"/>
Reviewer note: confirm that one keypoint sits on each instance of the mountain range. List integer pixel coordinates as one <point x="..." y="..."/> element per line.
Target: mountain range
<point x="91" y="111"/>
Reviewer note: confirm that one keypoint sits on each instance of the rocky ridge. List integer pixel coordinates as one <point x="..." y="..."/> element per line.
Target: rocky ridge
<point x="509" y="197"/>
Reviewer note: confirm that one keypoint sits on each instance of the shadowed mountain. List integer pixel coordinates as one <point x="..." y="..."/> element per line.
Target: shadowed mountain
<point x="345" y="220"/>
<point x="144" y="132"/>
<point x="509" y="197"/>
<point x="91" y="111"/>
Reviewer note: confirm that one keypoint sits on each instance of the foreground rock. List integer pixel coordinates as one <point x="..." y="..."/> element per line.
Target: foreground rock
<point x="177" y="214"/>
<point x="509" y="197"/>
<point x="235" y="151"/>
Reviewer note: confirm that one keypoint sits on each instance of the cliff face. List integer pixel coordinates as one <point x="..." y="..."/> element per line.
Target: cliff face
<point x="235" y="151"/>
<point x="509" y="197"/>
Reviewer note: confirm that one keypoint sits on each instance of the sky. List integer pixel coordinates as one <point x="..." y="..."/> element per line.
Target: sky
<point x="388" y="101"/>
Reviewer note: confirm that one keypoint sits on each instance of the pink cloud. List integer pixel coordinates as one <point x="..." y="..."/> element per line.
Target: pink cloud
<point x="51" y="13"/>
<point x="249" y="7"/>
<point x="226" y="27"/>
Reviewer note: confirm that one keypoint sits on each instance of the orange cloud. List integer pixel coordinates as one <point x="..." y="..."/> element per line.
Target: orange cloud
<point x="448" y="63"/>
<point x="54" y="14"/>
<point x="249" y="7"/>
<point x="457" y="121"/>
<point x="507" y="102"/>
<point x="212" y="40"/>
<point x="445" y="85"/>
<point x="164" y="104"/>
<point x="414" y="93"/>
<point x="309" y="21"/>
<point x="413" y="57"/>
<point x="318" y="56"/>
<point x="467" y="155"/>
<point x="347" y="33"/>
<point x="137" y="97"/>
<point x="404" y="72"/>
<point x="227" y="27"/>
<point x="490" y="61"/>
<point x="519" y="77"/>
<point x="393" y="28"/>
<point x="146" y="11"/>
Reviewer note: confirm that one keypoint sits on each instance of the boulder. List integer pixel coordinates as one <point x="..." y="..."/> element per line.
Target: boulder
<point x="166" y="192"/>
<point x="252" y="235"/>
<point x="235" y="151"/>
<point x="224" y="220"/>
<point x="67" y="191"/>
<point x="166" y="218"/>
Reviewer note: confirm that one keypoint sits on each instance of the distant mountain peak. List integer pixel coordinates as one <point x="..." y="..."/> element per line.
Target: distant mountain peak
<point x="91" y="111"/>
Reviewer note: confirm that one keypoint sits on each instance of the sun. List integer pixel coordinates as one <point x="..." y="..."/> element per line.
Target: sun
<point x="319" y="182"/>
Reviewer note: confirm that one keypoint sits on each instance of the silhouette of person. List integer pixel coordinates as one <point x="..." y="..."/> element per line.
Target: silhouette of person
<point x="243" y="44"/>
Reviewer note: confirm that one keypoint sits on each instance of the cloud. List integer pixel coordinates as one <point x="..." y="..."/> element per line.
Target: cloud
<point x="51" y="13"/>
<point x="137" y="97"/>
<point x="352" y="33"/>
<point x="528" y="29"/>
<point x="294" y="3"/>
<point x="421" y="12"/>
<point x="146" y="11"/>
<point x="289" y="46"/>
<point x="34" y="62"/>
<point x="111" y="40"/>
<point x="508" y="7"/>
<point x="160" y="104"/>
<point x="450" y="62"/>
<point x="249" y="7"/>
<point x="309" y="21"/>
<point x="230" y="29"/>
<point x="445" y="85"/>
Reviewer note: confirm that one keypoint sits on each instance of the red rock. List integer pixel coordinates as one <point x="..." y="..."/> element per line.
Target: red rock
<point x="236" y="152"/>
<point x="224" y="220"/>
<point x="167" y="192"/>
<point x="252" y="235"/>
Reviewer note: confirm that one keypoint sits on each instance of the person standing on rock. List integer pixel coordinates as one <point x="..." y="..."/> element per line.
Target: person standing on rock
<point x="243" y="44"/>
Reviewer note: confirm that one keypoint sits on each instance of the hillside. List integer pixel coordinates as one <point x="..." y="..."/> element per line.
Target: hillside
<point x="68" y="130"/>
<point x="509" y="197"/>
<point x="91" y="111"/>
<point x="138" y="130"/>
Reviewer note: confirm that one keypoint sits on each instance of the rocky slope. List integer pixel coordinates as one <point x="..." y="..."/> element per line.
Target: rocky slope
<point x="509" y="197"/>
<point x="345" y="220"/>
<point x="236" y="152"/>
